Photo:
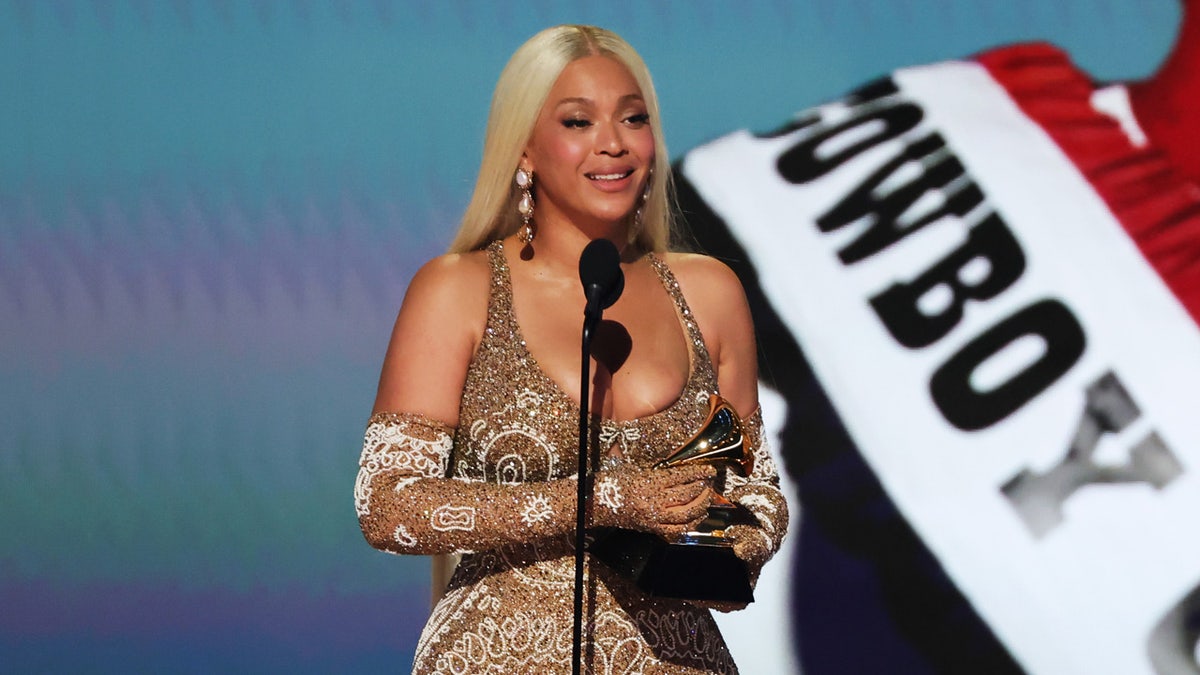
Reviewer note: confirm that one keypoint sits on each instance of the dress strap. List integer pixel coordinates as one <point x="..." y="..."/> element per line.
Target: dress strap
<point x="500" y="297"/>
<point x="695" y="338"/>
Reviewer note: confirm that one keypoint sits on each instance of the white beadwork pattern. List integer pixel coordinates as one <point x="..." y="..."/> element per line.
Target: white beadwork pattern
<point x="403" y="538"/>
<point x="608" y="493"/>
<point x="445" y="518"/>
<point x="387" y="447"/>
<point x="537" y="508"/>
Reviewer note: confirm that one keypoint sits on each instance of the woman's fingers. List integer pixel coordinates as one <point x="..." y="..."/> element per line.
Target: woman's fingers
<point x="681" y="485"/>
<point x="680" y="495"/>
<point x="675" y="531"/>
<point x="700" y="503"/>
<point x="689" y="473"/>
<point x="665" y="501"/>
<point x="691" y="511"/>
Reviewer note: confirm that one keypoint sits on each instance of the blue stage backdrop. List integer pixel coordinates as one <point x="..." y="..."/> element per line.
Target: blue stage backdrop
<point x="209" y="212"/>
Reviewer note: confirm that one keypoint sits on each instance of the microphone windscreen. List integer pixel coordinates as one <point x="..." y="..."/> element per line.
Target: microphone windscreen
<point x="600" y="272"/>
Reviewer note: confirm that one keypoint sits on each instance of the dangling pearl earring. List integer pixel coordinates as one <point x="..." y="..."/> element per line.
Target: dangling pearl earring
<point x="524" y="180"/>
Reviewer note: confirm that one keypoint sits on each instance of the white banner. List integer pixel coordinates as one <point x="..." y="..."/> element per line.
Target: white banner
<point x="1014" y="371"/>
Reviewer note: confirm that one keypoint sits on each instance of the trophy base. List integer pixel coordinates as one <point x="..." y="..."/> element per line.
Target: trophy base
<point x="700" y="566"/>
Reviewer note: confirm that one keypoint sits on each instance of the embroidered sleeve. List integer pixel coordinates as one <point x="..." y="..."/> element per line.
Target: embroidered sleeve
<point x="407" y="504"/>
<point x="759" y="493"/>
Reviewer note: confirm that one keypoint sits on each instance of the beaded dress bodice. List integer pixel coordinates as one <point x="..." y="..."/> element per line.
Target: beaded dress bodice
<point x="515" y="423"/>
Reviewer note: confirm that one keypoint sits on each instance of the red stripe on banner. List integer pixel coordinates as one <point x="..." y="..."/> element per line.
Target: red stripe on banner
<point x="1158" y="207"/>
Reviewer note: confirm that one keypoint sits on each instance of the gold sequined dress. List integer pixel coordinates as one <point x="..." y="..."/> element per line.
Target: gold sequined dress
<point x="500" y="488"/>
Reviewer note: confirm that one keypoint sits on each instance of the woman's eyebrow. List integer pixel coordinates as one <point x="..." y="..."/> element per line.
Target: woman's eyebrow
<point x="587" y="101"/>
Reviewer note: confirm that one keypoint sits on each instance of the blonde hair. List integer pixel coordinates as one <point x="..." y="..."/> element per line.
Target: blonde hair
<point x="520" y="93"/>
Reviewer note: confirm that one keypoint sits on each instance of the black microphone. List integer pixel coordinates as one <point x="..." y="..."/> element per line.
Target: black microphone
<point x="601" y="275"/>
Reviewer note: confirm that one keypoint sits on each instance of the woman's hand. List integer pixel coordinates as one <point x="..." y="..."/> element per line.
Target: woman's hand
<point x="750" y="544"/>
<point x="666" y="502"/>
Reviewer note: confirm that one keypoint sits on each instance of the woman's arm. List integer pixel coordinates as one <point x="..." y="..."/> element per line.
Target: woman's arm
<point x="406" y="505"/>
<point x="721" y="310"/>
<point x="404" y="499"/>
<point x="440" y="324"/>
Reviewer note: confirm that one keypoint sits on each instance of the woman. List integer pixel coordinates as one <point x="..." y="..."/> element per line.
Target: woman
<point x="472" y="444"/>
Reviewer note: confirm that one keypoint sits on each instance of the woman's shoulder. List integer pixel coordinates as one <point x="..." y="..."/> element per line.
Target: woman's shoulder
<point x="436" y="332"/>
<point x="715" y="296"/>
<point x="703" y="276"/>
<point x="452" y="277"/>
<point x="719" y="304"/>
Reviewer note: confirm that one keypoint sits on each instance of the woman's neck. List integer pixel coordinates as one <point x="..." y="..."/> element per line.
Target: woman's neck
<point x="559" y="243"/>
<point x="1167" y="105"/>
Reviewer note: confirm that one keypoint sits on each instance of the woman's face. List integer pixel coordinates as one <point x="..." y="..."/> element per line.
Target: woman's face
<point x="592" y="146"/>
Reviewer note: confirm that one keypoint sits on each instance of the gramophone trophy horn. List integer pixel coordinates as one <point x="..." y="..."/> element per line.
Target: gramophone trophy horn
<point x="719" y="440"/>
<point x="701" y="564"/>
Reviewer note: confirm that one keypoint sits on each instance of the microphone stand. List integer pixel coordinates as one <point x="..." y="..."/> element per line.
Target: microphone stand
<point x="582" y="488"/>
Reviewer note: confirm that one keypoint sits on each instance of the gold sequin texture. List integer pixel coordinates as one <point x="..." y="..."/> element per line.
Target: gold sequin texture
<point x="500" y="488"/>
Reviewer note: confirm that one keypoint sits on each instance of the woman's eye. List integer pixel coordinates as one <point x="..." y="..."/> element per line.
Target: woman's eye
<point x="575" y="123"/>
<point x="639" y="119"/>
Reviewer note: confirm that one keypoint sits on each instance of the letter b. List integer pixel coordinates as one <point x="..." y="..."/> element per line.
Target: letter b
<point x="898" y="306"/>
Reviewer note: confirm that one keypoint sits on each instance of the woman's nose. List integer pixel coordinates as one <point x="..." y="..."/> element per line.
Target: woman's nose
<point x="609" y="141"/>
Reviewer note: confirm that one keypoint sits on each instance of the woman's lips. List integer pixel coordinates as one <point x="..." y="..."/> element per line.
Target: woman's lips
<point x="611" y="180"/>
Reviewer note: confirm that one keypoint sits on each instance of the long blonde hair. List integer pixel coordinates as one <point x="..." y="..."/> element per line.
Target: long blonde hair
<point x="520" y="93"/>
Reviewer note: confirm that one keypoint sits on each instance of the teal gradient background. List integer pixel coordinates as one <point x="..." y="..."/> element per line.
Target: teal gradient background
<point x="209" y="211"/>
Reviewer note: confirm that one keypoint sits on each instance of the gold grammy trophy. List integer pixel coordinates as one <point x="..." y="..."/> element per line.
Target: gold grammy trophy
<point x="700" y="564"/>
